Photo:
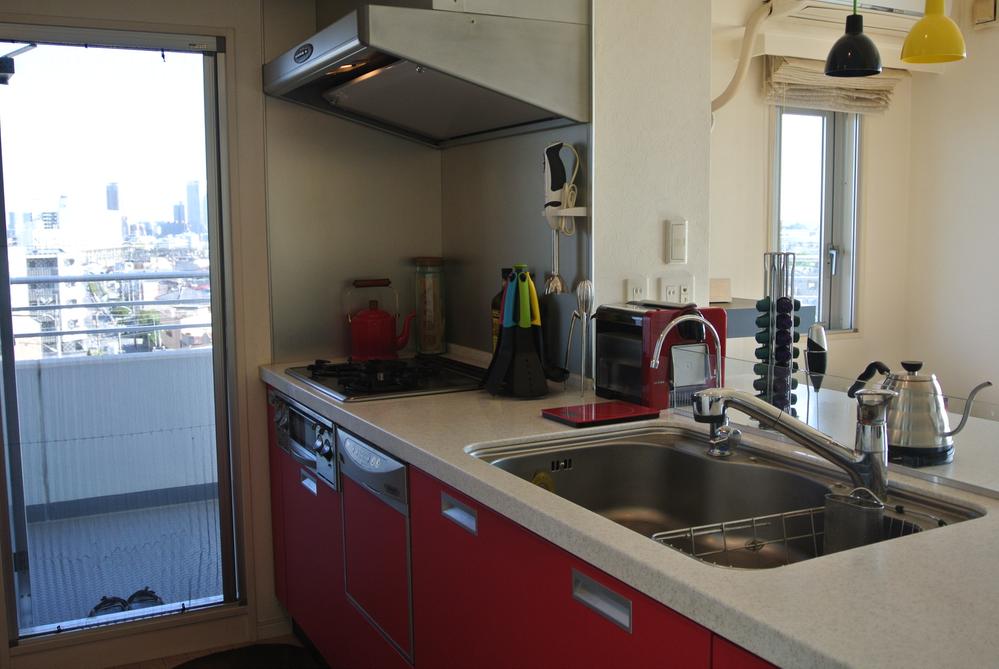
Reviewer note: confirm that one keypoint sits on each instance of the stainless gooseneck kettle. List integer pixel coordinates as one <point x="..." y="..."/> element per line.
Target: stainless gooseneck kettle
<point x="919" y="433"/>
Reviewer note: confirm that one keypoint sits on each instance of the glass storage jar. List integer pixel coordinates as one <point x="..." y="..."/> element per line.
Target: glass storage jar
<point x="430" y="305"/>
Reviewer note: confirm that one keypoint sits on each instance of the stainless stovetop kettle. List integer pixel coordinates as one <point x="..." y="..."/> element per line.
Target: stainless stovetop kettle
<point x="919" y="431"/>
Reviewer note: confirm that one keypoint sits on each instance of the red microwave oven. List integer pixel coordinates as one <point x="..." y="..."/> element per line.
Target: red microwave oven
<point x="625" y="339"/>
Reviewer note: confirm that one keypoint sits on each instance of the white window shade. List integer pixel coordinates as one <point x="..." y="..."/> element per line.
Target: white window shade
<point x="801" y="82"/>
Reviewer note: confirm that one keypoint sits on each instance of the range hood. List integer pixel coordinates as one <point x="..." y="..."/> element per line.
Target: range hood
<point x="443" y="77"/>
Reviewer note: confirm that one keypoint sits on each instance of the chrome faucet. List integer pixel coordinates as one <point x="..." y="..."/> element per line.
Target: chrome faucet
<point x="658" y="351"/>
<point x="866" y="463"/>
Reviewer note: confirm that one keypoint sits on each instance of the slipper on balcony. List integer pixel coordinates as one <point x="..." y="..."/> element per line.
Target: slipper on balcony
<point x="143" y="599"/>
<point x="108" y="605"/>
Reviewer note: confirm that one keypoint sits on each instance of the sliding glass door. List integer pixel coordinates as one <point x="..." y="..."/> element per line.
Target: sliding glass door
<point x="112" y="327"/>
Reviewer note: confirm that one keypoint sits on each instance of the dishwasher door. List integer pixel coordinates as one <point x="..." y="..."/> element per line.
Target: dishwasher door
<point x="376" y="539"/>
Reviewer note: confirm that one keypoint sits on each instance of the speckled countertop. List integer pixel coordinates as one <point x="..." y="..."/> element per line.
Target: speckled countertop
<point x="926" y="600"/>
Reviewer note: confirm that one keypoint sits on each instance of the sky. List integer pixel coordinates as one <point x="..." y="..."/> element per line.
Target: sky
<point x="801" y="168"/>
<point x="74" y="119"/>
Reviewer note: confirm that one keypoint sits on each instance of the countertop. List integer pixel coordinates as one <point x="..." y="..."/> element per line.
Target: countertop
<point x="976" y="460"/>
<point x="929" y="599"/>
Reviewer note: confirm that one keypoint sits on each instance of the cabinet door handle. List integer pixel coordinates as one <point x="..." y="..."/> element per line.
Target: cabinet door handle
<point x="308" y="481"/>
<point x="462" y="514"/>
<point x="602" y="600"/>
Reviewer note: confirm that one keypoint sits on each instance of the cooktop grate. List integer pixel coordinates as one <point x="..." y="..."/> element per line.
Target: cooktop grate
<point x="353" y="381"/>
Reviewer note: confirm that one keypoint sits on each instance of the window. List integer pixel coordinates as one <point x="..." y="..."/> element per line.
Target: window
<point x="815" y="208"/>
<point x="115" y="440"/>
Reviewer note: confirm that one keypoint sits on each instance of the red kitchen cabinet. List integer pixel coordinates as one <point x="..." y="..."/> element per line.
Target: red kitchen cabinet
<point x="321" y="588"/>
<point x="489" y="593"/>
<point x="377" y="562"/>
<point x="307" y="533"/>
<point x="313" y="548"/>
<point x="726" y="655"/>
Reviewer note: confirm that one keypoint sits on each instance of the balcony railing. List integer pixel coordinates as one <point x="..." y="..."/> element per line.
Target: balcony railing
<point x="116" y="329"/>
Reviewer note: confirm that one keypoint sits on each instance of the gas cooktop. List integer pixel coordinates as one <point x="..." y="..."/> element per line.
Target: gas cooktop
<point x="384" y="379"/>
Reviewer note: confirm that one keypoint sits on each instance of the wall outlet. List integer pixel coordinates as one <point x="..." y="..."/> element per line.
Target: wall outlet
<point x="636" y="288"/>
<point x="676" y="287"/>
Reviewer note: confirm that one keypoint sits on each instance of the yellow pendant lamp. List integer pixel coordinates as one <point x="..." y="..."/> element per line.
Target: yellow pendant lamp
<point x="935" y="38"/>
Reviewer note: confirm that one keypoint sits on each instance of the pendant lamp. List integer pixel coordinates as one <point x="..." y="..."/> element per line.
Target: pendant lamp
<point x="854" y="54"/>
<point x="935" y="38"/>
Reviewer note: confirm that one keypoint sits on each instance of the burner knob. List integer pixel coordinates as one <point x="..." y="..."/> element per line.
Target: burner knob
<point x="324" y="444"/>
<point x="326" y="450"/>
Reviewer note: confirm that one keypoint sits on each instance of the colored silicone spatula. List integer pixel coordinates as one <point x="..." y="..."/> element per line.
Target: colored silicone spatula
<point x="500" y="366"/>
<point x="527" y="374"/>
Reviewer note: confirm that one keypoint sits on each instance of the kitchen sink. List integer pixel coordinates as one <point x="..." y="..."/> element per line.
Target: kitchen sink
<point x="752" y="510"/>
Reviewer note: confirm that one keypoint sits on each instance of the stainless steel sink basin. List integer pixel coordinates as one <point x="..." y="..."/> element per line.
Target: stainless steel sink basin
<point x="751" y="510"/>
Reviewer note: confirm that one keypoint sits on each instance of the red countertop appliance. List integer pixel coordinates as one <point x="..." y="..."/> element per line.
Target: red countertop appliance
<point x="626" y="337"/>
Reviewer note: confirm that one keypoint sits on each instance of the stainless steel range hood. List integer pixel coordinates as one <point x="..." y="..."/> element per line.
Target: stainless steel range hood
<point x="442" y="77"/>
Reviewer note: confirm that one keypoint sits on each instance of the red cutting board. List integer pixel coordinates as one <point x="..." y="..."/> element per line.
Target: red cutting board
<point x="599" y="413"/>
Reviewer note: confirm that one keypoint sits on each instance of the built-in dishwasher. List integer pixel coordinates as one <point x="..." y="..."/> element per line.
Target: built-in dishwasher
<point x="376" y="538"/>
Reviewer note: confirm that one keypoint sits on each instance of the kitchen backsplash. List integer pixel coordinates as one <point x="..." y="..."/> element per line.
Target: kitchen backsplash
<point x="492" y="218"/>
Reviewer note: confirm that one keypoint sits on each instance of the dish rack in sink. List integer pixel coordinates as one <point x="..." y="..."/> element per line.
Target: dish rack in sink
<point x="766" y="541"/>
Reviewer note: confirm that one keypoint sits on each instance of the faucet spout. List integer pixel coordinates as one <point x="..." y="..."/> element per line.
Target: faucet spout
<point x="866" y="464"/>
<point x="697" y="318"/>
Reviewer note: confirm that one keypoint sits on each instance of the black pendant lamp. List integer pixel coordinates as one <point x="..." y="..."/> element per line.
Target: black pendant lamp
<point x="853" y="54"/>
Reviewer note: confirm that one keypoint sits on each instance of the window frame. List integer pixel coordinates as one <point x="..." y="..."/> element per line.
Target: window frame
<point x="213" y="50"/>
<point x="840" y="212"/>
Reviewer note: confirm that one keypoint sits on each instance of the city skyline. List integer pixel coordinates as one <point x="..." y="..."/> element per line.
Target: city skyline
<point x="68" y="228"/>
<point x="146" y="134"/>
<point x="103" y="177"/>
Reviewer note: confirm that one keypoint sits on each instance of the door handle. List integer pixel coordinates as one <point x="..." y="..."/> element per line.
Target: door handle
<point x="301" y="455"/>
<point x="459" y="513"/>
<point x="833" y="260"/>
<point x="602" y="600"/>
<point x="308" y="481"/>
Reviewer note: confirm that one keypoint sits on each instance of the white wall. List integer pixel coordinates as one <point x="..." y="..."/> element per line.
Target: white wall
<point x="651" y="64"/>
<point x="740" y="176"/>
<point x="954" y="227"/>
<point x="740" y="210"/>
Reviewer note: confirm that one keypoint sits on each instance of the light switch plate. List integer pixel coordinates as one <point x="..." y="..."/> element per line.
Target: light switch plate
<point x="676" y="244"/>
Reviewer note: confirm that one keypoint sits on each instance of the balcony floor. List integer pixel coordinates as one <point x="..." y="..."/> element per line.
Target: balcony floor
<point x="174" y="550"/>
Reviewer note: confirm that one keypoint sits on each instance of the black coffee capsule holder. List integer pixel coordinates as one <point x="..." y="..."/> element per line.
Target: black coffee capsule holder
<point x="778" y="334"/>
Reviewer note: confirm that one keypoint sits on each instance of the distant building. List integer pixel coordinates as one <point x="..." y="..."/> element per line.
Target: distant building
<point x="194" y="219"/>
<point x="50" y="220"/>
<point x="112" y="192"/>
<point x="178" y="213"/>
<point x="25" y="230"/>
<point x="49" y="294"/>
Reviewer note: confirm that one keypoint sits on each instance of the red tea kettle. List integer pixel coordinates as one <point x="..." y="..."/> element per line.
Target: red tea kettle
<point x="372" y="330"/>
